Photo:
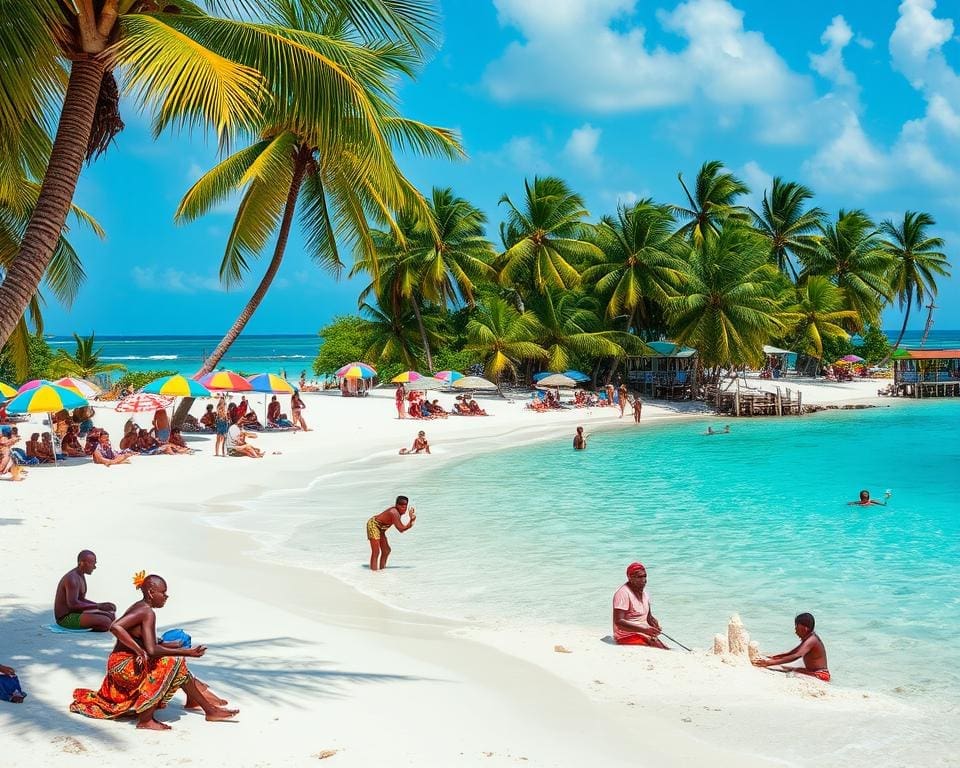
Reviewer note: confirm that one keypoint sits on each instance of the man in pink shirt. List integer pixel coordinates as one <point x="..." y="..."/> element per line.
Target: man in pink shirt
<point x="633" y="624"/>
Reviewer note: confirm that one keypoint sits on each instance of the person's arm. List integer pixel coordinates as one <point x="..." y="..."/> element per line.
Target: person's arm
<point x="399" y="523"/>
<point x="621" y="620"/>
<point x="786" y="658"/>
<point x="148" y="630"/>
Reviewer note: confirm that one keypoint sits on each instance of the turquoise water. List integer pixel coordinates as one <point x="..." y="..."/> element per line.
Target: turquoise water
<point x="754" y="522"/>
<point x="184" y="354"/>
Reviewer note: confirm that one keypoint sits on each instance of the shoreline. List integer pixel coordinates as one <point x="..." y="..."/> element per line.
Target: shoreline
<point x="366" y="630"/>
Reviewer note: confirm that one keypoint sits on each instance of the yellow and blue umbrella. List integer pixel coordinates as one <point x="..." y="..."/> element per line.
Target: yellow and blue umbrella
<point x="407" y="377"/>
<point x="176" y="386"/>
<point x="225" y="381"/>
<point x="46" y="398"/>
<point x="6" y="391"/>
<point x="270" y="384"/>
<point x="357" y="371"/>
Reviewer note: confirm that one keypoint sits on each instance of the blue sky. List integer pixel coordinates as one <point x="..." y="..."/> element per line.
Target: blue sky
<point x="859" y="100"/>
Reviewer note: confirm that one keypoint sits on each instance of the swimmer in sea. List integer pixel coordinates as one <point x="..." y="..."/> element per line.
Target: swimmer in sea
<point x="579" y="440"/>
<point x="866" y="501"/>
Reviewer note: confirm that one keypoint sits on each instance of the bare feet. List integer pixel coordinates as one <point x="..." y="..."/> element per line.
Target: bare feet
<point x="18" y="698"/>
<point x="153" y="725"/>
<point x="219" y="714"/>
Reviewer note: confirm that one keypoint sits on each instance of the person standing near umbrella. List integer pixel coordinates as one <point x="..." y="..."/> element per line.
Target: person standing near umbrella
<point x="378" y="525"/>
<point x="400" y="397"/>
<point x="296" y="411"/>
<point x="624" y="399"/>
<point x="221" y="425"/>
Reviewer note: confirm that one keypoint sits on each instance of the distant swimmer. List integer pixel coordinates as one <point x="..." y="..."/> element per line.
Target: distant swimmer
<point x="378" y="525"/>
<point x="633" y="623"/>
<point x="866" y="501"/>
<point x="712" y="431"/>
<point x="580" y="440"/>
<point x="811" y="649"/>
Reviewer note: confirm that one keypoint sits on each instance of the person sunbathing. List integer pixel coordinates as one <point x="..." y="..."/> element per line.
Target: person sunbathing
<point x="811" y="649"/>
<point x="420" y="445"/>
<point x="71" y="444"/>
<point x="236" y="443"/>
<point x="8" y="464"/>
<point x="436" y="410"/>
<point x="47" y="449"/>
<point x="177" y="441"/>
<point x="147" y="445"/>
<point x="275" y="419"/>
<point x="71" y="608"/>
<point x="104" y="453"/>
<point x="161" y="426"/>
<point x="209" y="418"/>
<point x="143" y="674"/>
<point x="475" y="409"/>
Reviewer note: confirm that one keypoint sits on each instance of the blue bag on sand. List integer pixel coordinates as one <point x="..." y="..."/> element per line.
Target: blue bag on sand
<point x="173" y="635"/>
<point x="9" y="686"/>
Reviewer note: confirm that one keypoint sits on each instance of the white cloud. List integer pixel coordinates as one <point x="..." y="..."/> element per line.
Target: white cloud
<point x="523" y="154"/>
<point x="830" y="63"/>
<point x="849" y="161"/>
<point x="581" y="148"/>
<point x="759" y="181"/>
<point x="173" y="280"/>
<point x="917" y="38"/>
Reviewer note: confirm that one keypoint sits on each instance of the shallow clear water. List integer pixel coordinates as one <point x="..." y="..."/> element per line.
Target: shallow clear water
<point x="754" y="522"/>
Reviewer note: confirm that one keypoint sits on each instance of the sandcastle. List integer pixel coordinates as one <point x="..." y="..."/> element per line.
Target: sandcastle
<point x="736" y="642"/>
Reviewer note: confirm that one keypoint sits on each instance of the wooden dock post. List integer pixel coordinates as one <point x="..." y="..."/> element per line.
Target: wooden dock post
<point x="779" y="403"/>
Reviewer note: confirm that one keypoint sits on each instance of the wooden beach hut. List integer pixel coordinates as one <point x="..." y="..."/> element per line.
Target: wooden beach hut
<point x="777" y="361"/>
<point x="668" y="371"/>
<point x="926" y="373"/>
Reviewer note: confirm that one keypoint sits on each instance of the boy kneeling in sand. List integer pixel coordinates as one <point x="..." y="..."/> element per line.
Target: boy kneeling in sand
<point x="811" y="648"/>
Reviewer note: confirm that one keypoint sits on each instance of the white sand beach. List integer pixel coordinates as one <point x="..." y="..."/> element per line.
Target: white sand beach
<point x="319" y="670"/>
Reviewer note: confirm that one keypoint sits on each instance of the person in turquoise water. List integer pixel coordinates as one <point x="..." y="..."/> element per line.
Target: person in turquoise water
<point x="811" y="649"/>
<point x="866" y="501"/>
<point x="378" y="525"/>
<point x="633" y="623"/>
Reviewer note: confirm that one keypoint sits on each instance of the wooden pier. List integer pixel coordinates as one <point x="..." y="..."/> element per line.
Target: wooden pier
<point x="924" y="373"/>
<point x="755" y="402"/>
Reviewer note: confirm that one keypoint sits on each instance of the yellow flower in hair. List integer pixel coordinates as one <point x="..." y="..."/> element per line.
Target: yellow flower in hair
<point x="138" y="578"/>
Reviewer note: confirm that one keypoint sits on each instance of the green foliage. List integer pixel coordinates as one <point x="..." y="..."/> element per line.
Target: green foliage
<point x="875" y="347"/>
<point x="345" y="339"/>
<point x="137" y="380"/>
<point x="84" y="362"/>
<point x="39" y="358"/>
<point x="449" y="359"/>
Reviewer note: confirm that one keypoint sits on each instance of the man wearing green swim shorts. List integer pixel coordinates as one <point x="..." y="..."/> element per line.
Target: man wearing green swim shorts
<point x="71" y="607"/>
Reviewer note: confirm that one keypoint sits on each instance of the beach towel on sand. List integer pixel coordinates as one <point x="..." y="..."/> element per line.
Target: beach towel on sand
<point x="57" y="629"/>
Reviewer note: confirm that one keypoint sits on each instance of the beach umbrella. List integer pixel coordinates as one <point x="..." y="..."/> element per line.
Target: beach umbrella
<point x="474" y="382"/>
<point x="6" y="391"/>
<point x="407" y="377"/>
<point x="448" y="376"/>
<point x="86" y="388"/>
<point x="32" y="384"/>
<point x="46" y="398"/>
<point x="430" y="382"/>
<point x="269" y="384"/>
<point x="541" y="375"/>
<point x="577" y="376"/>
<point x="176" y="386"/>
<point x="556" y="380"/>
<point x="225" y="381"/>
<point x="851" y="359"/>
<point x="356" y="371"/>
<point x="140" y="402"/>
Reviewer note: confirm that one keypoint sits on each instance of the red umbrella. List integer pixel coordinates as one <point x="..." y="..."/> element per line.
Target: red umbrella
<point x="143" y="401"/>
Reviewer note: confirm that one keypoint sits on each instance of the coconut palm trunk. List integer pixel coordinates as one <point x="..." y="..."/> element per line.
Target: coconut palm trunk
<point x="56" y="193"/>
<point x="299" y="171"/>
<point x="903" y="328"/>
<point x="423" y="332"/>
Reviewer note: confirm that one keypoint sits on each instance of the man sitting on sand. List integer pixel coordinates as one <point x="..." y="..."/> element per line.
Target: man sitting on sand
<point x="147" y="445"/>
<point x="144" y="674"/>
<point x="866" y="501"/>
<point x="633" y="624"/>
<point x="70" y="605"/>
<point x="236" y="443"/>
<point x="420" y="445"/>
<point x="104" y="453"/>
<point x="7" y="461"/>
<point x="811" y="649"/>
<point x="71" y="444"/>
<point x="378" y="525"/>
<point x="10" y="686"/>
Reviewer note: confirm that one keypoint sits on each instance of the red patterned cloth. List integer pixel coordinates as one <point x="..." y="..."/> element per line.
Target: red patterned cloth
<point x="129" y="689"/>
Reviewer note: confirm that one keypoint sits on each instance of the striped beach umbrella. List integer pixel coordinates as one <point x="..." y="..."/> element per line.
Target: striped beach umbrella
<point x="576" y="375"/>
<point x="176" y="386"/>
<point x="86" y="388"/>
<point x="407" y="377"/>
<point x="357" y="371"/>
<point x="448" y="376"/>
<point x="45" y="398"/>
<point x="32" y="384"/>
<point x="140" y="402"/>
<point x="270" y="384"/>
<point x="225" y="381"/>
<point x="6" y="391"/>
<point x="35" y="383"/>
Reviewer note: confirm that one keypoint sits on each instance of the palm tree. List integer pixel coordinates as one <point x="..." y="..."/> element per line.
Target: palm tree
<point x="85" y="361"/>
<point x="916" y="262"/>
<point x="642" y="262"/>
<point x="545" y="239"/>
<point x="503" y="336"/>
<point x="343" y="182"/>
<point x="728" y="308"/>
<point x="850" y="253"/>
<point x="714" y="200"/>
<point x="189" y="67"/>
<point x="786" y="223"/>
<point x="818" y="315"/>
<point x="568" y="326"/>
<point x="437" y="261"/>
<point x="394" y="336"/>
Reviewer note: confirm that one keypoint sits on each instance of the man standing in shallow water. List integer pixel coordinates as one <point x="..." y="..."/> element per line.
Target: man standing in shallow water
<point x="811" y="648"/>
<point x="377" y="527"/>
<point x="579" y="440"/>
<point x="71" y="608"/>
<point x="633" y="623"/>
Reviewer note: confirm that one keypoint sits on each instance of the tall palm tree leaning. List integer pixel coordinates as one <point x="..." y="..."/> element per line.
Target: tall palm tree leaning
<point x="314" y="147"/>
<point x="787" y="224"/>
<point x="713" y="201"/>
<point x="436" y="262"/>
<point x="916" y="262"/>
<point x="170" y="55"/>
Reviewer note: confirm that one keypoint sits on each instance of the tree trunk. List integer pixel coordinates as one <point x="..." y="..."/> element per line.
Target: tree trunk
<point x="25" y="272"/>
<point x="423" y="331"/>
<point x="299" y="169"/>
<point x="903" y="330"/>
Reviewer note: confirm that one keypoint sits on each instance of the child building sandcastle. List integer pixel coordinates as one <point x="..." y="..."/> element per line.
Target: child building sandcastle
<point x="737" y="642"/>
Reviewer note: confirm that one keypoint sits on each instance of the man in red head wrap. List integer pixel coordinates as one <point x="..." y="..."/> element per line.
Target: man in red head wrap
<point x="633" y="623"/>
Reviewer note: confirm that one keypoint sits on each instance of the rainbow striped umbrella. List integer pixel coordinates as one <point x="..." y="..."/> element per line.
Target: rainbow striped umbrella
<point x="448" y="376"/>
<point x="86" y="388"/>
<point x="35" y="383"/>
<point x="270" y="384"/>
<point x="176" y="386"/>
<point x="356" y="371"/>
<point x="45" y="398"/>
<point x="225" y="381"/>
<point x="32" y="384"/>
<point x="7" y="391"/>
<point x="406" y="377"/>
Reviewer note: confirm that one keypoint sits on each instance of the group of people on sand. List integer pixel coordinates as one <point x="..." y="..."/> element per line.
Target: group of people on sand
<point x="635" y="624"/>
<point x="143" y="671"/>
<point x="416" y="405"/>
